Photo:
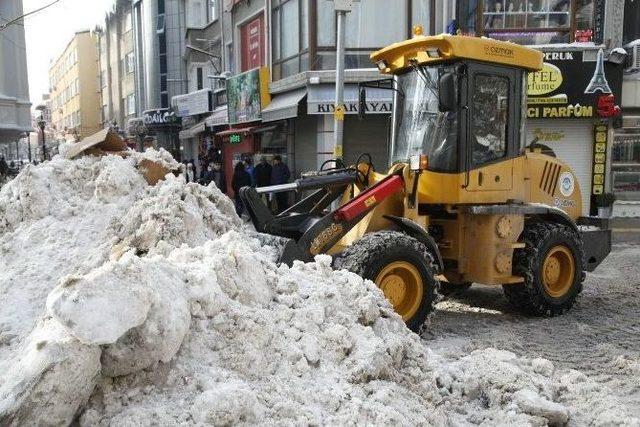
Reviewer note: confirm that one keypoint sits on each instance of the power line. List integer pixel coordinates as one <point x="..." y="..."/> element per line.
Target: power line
<point x="13" y="21"/>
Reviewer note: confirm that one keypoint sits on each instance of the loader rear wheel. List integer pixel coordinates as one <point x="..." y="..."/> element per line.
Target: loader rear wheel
<point x="401" y="267"/>
<point x="552" y="266"/>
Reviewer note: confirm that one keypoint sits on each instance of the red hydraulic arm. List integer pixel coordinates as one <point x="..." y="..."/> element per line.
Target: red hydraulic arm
<point x="369" y="198"/>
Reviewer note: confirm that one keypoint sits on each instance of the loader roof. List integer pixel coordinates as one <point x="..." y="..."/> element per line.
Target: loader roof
<point x="444" y="47"/>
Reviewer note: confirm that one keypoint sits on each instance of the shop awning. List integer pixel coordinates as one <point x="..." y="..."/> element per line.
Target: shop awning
<point x="219" y="117"/>
<point x="193" y="131"/>
<point x="321" y="99"/>
<point x="283" y="106"/>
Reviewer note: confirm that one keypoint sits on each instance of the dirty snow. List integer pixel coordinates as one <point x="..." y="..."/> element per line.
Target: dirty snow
<point x="129" y="304"/>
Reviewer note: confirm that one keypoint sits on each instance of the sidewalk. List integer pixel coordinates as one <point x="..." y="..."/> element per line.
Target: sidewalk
<point x="625" y="230"/>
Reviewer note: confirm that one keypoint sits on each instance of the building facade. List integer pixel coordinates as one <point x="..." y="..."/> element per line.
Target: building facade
<point x="625" y="165"/>
<point x="15" y="115"/>
<point x="117" y="67"/>
<point x="159" y="39"/>
<point x="75" y="93"/>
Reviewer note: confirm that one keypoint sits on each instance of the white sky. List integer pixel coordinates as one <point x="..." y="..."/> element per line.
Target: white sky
<point x="48" y="32"/>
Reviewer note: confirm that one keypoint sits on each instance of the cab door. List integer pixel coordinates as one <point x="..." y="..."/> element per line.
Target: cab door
<point x="491" y="131"/>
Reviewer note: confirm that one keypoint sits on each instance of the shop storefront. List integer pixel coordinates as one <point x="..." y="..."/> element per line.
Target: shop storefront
<point x="249" y="138"/>
<point x="203" y="113"/>
<point x="164" y="126"/>
<point x="571" y="108"/>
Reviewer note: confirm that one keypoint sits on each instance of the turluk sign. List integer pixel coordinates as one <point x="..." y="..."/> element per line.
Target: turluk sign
<point x="569" y="86"/>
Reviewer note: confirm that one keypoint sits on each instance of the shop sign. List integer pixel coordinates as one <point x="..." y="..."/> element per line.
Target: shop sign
<point x="569" y="87"/>
<point x="351" y="107"/>
<point x="194" y="103"/>
<point x="247" y="95"/>
<point x="162" y="117"/>
<point x="599" y="157"/>
<point x="548" y="136"/>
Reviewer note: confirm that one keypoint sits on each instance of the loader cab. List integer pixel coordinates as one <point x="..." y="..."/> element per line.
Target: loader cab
<point x="463" y="115"/>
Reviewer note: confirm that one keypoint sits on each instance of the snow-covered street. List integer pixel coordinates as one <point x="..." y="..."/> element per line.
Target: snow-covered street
<point x="125" y="303"/>
<point x="600" y="336"/>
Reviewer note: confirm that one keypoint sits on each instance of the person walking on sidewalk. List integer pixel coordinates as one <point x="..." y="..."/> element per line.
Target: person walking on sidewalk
<point x="280" y="174"/>
<point x="241" y="178"/>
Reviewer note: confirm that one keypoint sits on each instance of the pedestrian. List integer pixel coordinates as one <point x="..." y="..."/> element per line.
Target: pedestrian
<point x="262" y="173"/>
<point x="280" y="174"/>
<point x="250" y="170"/>
<point x="4" y="167"/>
<point x="241" y="178"/>
<point x="189" y="173"/>
<point x="219" y="177"/>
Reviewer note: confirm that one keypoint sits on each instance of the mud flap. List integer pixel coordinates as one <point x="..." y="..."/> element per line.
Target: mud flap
<point x="596" y="240"/>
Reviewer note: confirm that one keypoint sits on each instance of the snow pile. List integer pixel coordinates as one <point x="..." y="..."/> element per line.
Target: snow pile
<point x="138" y="305"/>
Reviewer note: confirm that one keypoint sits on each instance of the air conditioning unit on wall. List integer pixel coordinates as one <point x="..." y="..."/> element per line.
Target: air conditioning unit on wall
<point x="633" y="56"/>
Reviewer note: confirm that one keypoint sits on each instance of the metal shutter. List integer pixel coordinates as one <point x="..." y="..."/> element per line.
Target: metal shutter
<point x="367" y="136"/>
<point x="575" y="149"/>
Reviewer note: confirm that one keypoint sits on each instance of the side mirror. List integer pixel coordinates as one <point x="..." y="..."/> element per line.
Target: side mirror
<point x="447" y="92"/>
<point x="362" y="102"/>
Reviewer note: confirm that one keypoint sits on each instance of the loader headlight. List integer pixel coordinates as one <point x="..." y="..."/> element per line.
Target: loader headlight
<point x="382" y="65"/>
<point x="418" y="162"/>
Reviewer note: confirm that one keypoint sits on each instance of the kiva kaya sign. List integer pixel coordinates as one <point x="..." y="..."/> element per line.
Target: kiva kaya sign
<point x="569" y="87"/>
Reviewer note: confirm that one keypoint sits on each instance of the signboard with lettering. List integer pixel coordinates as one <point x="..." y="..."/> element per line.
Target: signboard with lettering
<point x="247" y="95"/>
<point x="194" y="103"/>
<point x="159" y="118"/>
<point x="570" y="87"/>
<point x="321" y="100"/>
<point x="599" y="158"/>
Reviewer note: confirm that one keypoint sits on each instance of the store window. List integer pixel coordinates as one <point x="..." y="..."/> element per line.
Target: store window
<point x="625" y="167"/>
<point x="363" y="34"/>
<point x="130" y="106"/>
<point x="489" y="125"/>
<point x="526" y="21"/>
<point x="290" y="37"/>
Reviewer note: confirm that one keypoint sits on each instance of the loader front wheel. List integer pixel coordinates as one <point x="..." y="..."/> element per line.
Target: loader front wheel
<point x="552" y="266"/>
<point x="401" y="267"/>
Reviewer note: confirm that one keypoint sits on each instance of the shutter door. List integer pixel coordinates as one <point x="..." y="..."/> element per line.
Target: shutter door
<point x="306" y="145"/>
<point x="574" y="147"/>
<point x="367" y="136"/>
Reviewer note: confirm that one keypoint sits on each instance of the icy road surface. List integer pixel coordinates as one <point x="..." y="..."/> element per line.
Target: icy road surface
<point x="600" y="336"/>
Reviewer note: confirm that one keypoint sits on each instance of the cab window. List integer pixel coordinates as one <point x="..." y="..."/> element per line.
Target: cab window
<point x="490" y="103"/>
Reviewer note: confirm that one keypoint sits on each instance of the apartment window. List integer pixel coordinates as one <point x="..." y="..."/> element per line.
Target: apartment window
<point x="127" y="22"/>
<point x="130" y="104"/>
<point x="362" y="31"/>
<point x="290" y="37"/>
<point x="160" y="24"/>
<point x="199" y="78"/>
<point x="196" y="14"/>
<point x="213" y="10"/>
<point x="526" y="21"/>
<point x="103" y="112"/>
<point x="129" y="61"/>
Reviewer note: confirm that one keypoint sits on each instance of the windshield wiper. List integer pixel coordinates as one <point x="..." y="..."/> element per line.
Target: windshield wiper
<point x="425" y="76"/>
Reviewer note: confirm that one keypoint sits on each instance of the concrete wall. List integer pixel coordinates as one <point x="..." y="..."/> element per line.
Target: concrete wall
<point x="15" y="116"/>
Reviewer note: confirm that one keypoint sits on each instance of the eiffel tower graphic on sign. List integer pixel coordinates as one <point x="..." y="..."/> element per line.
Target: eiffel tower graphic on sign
<point x="598" y="81"/>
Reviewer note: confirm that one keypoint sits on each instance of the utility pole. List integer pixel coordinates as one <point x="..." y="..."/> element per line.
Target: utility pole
<point x="342" y="7"/>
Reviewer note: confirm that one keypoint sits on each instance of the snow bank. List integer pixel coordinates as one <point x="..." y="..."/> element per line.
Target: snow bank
<point x="131" y="304"/>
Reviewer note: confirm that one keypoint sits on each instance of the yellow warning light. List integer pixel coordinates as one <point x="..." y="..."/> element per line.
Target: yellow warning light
<point x="417" y="30"/>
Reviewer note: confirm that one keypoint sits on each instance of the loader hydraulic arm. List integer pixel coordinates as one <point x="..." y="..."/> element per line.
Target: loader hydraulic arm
<point x="311" y="228"/>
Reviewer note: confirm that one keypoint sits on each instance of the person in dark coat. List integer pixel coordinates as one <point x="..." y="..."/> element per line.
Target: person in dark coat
<point x="262" y="173"/>
<point x="4" y="167"/>
<point x="241" y="178"/>
<point x="280" y="174"/>
<point x="219" y="177"/>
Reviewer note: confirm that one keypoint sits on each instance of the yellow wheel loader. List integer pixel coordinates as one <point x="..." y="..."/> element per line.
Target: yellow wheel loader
<point x="466" y="199"/>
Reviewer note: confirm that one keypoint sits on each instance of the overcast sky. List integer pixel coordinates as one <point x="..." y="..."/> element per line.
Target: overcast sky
<point x="48" y="32"/>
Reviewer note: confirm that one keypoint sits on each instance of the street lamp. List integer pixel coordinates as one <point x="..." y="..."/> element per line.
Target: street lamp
<point x="41" y="125"/>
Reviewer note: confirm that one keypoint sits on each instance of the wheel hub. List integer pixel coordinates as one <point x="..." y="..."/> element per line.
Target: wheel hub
<point x="401" y="283"/>
<point x="558" y="271"/>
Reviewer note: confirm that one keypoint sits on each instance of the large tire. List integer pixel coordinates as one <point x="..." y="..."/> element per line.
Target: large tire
<point x="401" y="266"/>
<point x="552" y="264"/>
